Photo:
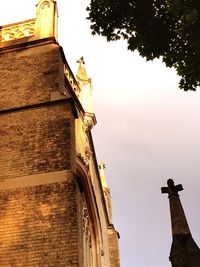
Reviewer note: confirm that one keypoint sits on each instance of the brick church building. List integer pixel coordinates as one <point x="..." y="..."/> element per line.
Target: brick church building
<point x="55" y="205"/>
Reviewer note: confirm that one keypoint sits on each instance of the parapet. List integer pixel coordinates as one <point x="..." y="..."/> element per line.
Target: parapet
<point x="45" y="25"/>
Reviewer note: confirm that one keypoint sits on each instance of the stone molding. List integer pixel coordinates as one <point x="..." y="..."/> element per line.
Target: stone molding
<point x="37" y="179"/>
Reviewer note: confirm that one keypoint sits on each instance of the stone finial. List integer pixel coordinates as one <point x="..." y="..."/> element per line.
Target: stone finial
<point x="81" y="60"/>
<point x="81" y="72"/>
<point x="46" y="19"/>
<point x="102" y="167"/>
<point x="85" y="95"/>
<point x="106" y="189"/>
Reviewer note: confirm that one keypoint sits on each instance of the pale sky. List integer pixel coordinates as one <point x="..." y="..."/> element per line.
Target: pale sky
<point x="148" y="131"/>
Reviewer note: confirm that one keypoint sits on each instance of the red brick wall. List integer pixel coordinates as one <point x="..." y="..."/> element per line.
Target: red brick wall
<point x="38" y="226"/>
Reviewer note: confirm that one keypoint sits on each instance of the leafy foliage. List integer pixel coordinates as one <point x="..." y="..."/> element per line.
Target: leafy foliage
<point x="169" y="29"/>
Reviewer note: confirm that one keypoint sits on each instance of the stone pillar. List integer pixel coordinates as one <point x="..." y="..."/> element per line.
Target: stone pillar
<point x="47" y="19"/>
<point x="184" y="251"/>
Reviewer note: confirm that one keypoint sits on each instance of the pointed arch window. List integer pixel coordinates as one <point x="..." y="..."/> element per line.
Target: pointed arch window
<point x="87" y="236"/>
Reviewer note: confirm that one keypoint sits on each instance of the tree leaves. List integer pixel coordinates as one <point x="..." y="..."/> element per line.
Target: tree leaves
<point x="192" y="16"/>
<point x="167" y="29"/>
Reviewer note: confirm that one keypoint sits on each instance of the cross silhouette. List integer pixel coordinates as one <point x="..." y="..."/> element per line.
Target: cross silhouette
<point x="171" y="189"/>
<point x="81" y="60"/>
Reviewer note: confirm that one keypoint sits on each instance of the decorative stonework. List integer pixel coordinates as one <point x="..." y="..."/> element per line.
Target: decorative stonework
<point x="17" y="31"/>
<point x="87" y="237"/>
<point x="85" y="221"/>
<point x="87" y="124"/>
<point x="83" y="160"/>
<point x="85" y="84"/>
<point x="86" y="158"/>
<point x="88" y="154"/>
<point x="70" y="77"/>
<point x="89" y="121"/>
<point x="45" y="4"/>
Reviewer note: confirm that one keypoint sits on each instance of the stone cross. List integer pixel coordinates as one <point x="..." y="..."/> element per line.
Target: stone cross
<point x="184" y="251"/>
<point x="172" y="189"/>
<point x="81" y="60"/>
<point x="178" y="219"/>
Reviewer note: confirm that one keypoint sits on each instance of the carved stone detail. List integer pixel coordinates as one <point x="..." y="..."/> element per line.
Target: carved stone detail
<point x="85" y="219"/>
<point x="88" y="123"/>
<point x="18" y="31"/>
<point x="87" y="237"/>
<point x="72" y="81"/>
<point x="85" y="159"/>
<point x="88" y="154"/>
<point x="45" y="4"/>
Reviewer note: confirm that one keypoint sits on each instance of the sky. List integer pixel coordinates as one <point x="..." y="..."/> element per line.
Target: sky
<point x="148" y="131"/>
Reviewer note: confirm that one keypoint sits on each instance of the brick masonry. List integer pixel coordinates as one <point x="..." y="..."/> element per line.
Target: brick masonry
<point x="38" y="226"/>
<point x="36" y="140"/>
<point x="29" y="76"/>
<point x="42" y="225"/>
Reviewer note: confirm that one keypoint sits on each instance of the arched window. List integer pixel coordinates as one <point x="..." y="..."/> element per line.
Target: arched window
<point x="88" y="254"/>
<point x="88" y="239"/>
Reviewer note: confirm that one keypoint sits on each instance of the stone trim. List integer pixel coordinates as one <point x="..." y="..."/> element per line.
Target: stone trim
<point x="38" y="179"/>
